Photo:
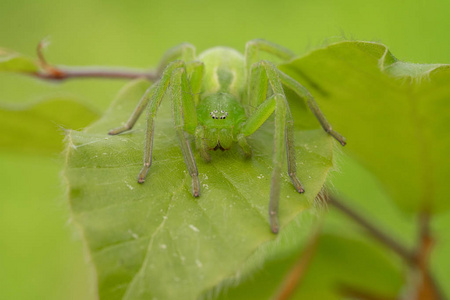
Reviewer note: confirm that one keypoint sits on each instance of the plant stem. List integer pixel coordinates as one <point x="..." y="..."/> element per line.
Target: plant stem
<point x="381" y="236"/>
<point x="418" y="259"/>
<point x="427" y="287"/>
<point x="60" y="73"/>
<point x="297" y="272"/>
<point x="51" y="72"/>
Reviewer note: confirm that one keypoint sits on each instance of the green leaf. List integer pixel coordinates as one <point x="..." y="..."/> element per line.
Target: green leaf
<point x="14" y="62"/>
<point x="394" y="115"/>
<point x="156" y="241"/>
<point x="39" y="128"/>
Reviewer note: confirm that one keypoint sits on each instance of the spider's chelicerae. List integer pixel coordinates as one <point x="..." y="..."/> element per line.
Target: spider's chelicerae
<point x="221" y="97"/>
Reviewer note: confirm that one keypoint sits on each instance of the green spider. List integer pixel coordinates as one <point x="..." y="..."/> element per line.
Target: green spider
<point x="221" y="97"/>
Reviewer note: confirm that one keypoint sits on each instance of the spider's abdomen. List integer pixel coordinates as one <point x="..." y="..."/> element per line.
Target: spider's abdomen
<point x="224" y="71"/>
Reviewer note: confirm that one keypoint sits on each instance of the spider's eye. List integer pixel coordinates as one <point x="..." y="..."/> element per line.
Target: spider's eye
<point x="215" y="114"/>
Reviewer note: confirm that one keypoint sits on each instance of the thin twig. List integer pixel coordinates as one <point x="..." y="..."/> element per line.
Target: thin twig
<point x="382" y="237"/>
<point x="295" y="275"/>
<point x="353" y="292"/>
<point x="63" y="73"/>
<point x="428" y="287"/>
<point x="415" y="259"/>
<point x="51" y="72"/>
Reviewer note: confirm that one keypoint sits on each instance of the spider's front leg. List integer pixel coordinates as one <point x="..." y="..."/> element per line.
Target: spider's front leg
<point x="187" y="53"/>
<point x="305" y="94"/>
<point x="251" y="58"/>
<point x="283" y="133"/>
<point x="183" y="113"/>
<point x="182" y="100"/>
<point x="183" y="105"/>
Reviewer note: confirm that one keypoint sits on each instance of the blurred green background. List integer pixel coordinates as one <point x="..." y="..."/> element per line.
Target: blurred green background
<point x="41" y="255"/>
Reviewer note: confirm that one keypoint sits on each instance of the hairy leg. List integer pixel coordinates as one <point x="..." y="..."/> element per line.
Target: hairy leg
<point x="191" y="89"/>
<point x="283" y="138"/>
<point x="256" y="89"/>
<point x="305" y="94"/>
<point x="256" y="75"/>
<point x="242" y="141"/>
<point x="195" y="71"/>
<point x="200" y="143"/>
<point x="175" y="76"/>
<point x="253" y="47"/>
<point x="181" y="94"/>
<point x="185" y="52"/>
<point x="137" y="111"/>
<point x="156" y="99"/>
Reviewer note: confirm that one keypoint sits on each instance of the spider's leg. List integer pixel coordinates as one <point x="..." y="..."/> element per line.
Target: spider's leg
<point x="157" y="96"/>
<point x="184" y="51"/>
<point x="304" y="93"/>
<point x="253" y="47"/>
<point x="189" y="111"/>
<point x="283" y="138"/>
<point x="183" y="102"/>
<point x="200" y="143"/>
<point x="242" y="141"/>
<point x="187" y="53"/>
<point x="274" y="103"/>
<point x="136" y="113"/>
<point x="256" y="89"/>
<point x="191" y="86"/>
<point x="195" y="71"/>
<point x="275" y="83"/>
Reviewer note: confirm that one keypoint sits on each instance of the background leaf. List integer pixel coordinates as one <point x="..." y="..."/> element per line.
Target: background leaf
<point x="39" y="128"/>
<point x="393" y="114"/>
<point x="155" y="239"/>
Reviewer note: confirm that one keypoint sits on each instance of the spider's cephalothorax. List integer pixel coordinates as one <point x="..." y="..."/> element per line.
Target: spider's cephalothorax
<point x="220" y="116"/>
<point x="221" y="97"/>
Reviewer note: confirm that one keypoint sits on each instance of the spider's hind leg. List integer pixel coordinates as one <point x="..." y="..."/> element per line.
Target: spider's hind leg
<point x="253" y="47"/>
<point x="185" y="52"/>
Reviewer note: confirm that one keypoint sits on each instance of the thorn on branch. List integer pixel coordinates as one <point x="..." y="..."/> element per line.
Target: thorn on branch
<point x="51" y="70"/>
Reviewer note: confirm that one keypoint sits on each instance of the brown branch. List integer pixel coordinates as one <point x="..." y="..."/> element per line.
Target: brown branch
<point x="427" y="287"/>
<point x="295" y="275"/>
<point x="379" y="235"/>
<point x="417" y="260"/>
<point x="63" y="73"/>
<point x="51" y="72"/>
<point x="358" y="293"/>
